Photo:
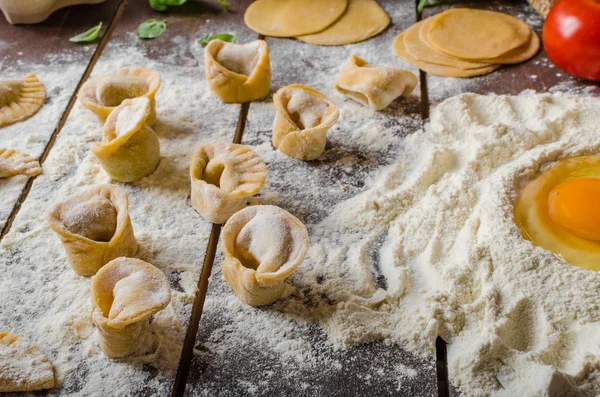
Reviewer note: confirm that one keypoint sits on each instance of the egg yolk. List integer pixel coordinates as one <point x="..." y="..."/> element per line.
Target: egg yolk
<point x="575" y="205"/>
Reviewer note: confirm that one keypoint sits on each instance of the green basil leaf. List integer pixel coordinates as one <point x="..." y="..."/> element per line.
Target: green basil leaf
<point x="158" y="5"/>
<point x="221" y="36"/>
<point x="224" y="4"/>
<point x="161" y="5"/>
<point x="87" y="36"/>
<point x="151" y="28"/>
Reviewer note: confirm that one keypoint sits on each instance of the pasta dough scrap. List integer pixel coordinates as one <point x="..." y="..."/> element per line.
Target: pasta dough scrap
<point x="130" y="149"/>
<point x="415" y="43"/>
<point x="103" y="93"/>
<point x="262" y="246"/>
<point x="374" y="86"/>
<point x="476" y="34"/>
<point x="289" y="18"/>
<point x="20" y="99"/>
<point x="435" y="69"/>
<point x="223" y="176"/>
<point x="238" y="73"/>
<point x="125" y="293"/>
<point x="302" y="118"/>
<point x="23" y="367"/>
<point x="94" y="227"/>
<point x="16" y="163"/>
<point x="362" y="20"/>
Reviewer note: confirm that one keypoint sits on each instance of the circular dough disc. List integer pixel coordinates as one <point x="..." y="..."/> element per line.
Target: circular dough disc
<point x="434" y="69"/>
<point x="289" y="18"/>
<point x="362" y="20"/>
<point x="519" y="54"/>
<point x="476" y="34"/>
<point x="415" y="46"/>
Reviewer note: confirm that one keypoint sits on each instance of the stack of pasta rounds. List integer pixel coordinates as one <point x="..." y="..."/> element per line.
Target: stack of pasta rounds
<point x="321" y="22"/>
<point x="464" y="42"/>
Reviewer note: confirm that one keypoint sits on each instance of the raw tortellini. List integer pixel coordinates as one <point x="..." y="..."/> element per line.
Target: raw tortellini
<point x="223" y="176"/>
<point x="130" y="149"/>
<point x="94" y="227"/>
<point x="302" y="118"/>
<point x="374" y="86"/>
<point x="238" y="73"/>
<point x="16" y="163"/>
<point x="20" y="99"/>
<point x="103" y="93"/>
<point x="262" y="245"/>
<point x="125" y="293"/>
<point x="23" y="367"/>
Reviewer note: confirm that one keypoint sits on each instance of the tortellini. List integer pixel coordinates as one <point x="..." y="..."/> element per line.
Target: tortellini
<point x="262" y="246"/>
<point x="302" y="118"/>
<point x="238" y="73"/>
<point x="130" y="149"/>
<point x="20" y="99"/>
<point x="94" y="227"/>
<point x="223" y="176"/>
<point x="125" y="293"/>
<point x="374" y="86"/>
<point x="103" y="93"/>
<point x="16" y="163"/>
<point x="23" y="367"/>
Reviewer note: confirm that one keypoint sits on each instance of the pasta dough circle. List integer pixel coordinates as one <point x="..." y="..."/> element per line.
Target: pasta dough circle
<point x="414" y="41"/>
<point x="23" y="367"/>
<point x="374" y="86"/>
<point x="434" y="69"/>
<point x="238" y="73"/>
<point x="362" y="20"/>
<point x="262" y="246"/>
<point x="103" y="93"/>
<point x="476" y="34"/>
<point x="125" y="293"/>
<point x="20" y="99"/>
<point x="289" y="18"/>
<point x="223" y="176"/>
<point x="130" y="149"/>
<point x="302" y="118"/>
<point x="76" y="219"/>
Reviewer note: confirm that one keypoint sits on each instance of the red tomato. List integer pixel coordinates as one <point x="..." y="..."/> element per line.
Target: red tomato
<point x="572" y="37"/>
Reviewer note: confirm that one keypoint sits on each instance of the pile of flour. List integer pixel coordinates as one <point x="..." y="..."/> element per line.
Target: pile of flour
<point x="519" y="320"/>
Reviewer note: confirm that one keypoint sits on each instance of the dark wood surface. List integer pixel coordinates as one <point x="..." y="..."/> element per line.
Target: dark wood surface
<point x="366" y="370"/>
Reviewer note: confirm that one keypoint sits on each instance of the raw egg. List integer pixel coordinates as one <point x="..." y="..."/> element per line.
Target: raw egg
<point x="560" y="211"/>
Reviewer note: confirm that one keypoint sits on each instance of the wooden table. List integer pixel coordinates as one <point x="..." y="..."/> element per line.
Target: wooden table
<point x="205" y="369"/>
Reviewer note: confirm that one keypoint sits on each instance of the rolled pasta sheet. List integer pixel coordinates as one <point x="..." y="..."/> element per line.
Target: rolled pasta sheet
<point x="238" y="73"/>
<point x="302" y="118"/>
<point x="223" y="177"/>
<point x="262" y="246"/>
<point x="125" y="293"/>
<point x="94" y="227"/>
<point x="374" y="86"/>
<point x="130" y="149"/>
<point x="103" y="93"/>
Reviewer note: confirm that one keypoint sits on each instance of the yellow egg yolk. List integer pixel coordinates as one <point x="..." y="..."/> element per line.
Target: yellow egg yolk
<point x="575" y="205"/>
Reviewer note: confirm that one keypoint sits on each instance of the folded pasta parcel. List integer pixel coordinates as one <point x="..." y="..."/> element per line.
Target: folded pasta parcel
<point x="238" y="73"/>
<point x="224" y="176"/>
<point x="20" y="99"/>
<point x="94" y="227"/>
<point x="262" y="245"/>
<point x="23" y="366"/>
<point x="302" y="118"/>
<point x="374" y="86"/>
<point x="130" y="149"/>
<point x="103" y="93"/>
<point x="125" y="293"/>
